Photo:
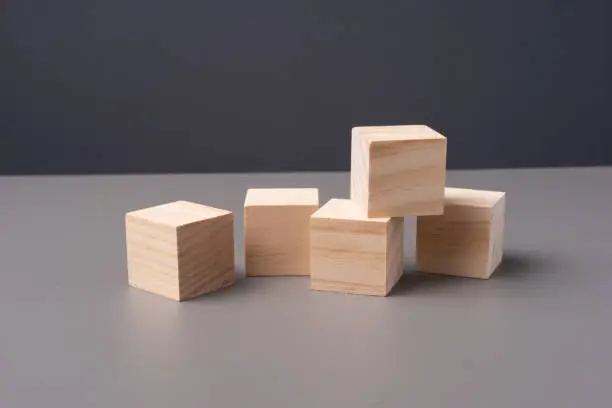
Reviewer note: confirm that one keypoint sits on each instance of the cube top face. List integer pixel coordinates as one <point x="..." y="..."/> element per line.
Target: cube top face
<point x="396" y="133"/>
<point x="466" y="205"/>
<point x="398" y="171"/>
<point x="178" y="213"/>
<point x="471" y="198"/>
<point x="281" y="197"/>
<point x="343" y="209"/>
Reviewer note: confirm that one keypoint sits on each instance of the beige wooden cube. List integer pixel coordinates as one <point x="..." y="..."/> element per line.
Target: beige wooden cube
<point x="180" y="250"/>
<point x="351" y="253"/>
<point x="468" y="239"/>
<point x="276" y="230"/>
<point x="398" y="171"/>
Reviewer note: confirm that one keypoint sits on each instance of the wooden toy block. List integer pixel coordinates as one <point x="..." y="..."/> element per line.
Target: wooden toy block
<point x="351" y="253"/>
<point x="468" y="239"/>
<point x="398" y="171"/>
<point x="180" y="250"/>
<point x="276" y="230"/>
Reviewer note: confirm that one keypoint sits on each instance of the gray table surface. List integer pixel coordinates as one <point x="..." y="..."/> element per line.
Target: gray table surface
<point x="73" y="334"/>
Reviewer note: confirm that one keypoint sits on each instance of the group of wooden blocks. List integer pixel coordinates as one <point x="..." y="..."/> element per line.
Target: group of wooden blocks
<point x="181" y="250"/>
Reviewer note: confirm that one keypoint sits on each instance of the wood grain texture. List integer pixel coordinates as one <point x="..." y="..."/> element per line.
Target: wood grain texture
<point x="468" y="239"/>
<point x="354" y="254"/>
<point x="276" y="231"/>
<point x="395" y="251"/>
<point x="398" y="171"/>
<point x="180" y="250"/>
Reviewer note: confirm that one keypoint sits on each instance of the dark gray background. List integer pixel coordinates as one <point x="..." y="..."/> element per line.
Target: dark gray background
<point x="274" y="85"/>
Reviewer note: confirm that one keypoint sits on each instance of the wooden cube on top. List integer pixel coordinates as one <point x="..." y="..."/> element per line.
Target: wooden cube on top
<point x="276" y="230"/>
<point x="468" y="239"/>
<point x="398" y="171"/>
<point x="180" y="250"/>
<point x="351" y="253"/>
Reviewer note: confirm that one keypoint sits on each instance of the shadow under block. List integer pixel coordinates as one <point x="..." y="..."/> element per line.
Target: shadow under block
<point x="350" y="253"/>
<point x="398" y="171"/>
<point x="468" y="239"/>
<point x="276" y="230"/>
<point x="180" y="250"/>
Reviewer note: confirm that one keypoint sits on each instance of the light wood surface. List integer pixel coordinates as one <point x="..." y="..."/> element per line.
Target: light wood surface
<point x="281" y="197"/>
<point x="178" y="213"/>
<point x="180" y="250"/>
<point x="353" y="254"/>
<point x="398" y="171"/>
<point x="276" y="230"/>
<point x="468" y="239"/>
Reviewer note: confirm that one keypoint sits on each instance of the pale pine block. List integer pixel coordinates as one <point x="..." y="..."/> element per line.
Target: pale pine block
<point x="276" y="230"/>
<point x="180" y="250"/>
<point x="351" y="253"/>
<point x="468" y="239"/>
<point x="398" y="171"/>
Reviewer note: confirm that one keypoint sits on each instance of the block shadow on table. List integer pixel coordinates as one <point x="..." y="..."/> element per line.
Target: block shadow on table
<point x="247" y="289"/>
<point x="516" y="266"/>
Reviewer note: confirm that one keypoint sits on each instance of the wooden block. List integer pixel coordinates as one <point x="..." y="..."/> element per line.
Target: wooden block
<point x="353" y="254"/>
<point x="180" y="250"/>
<point x="276" y="230"/>
<point x="468" y="239"/>
<point x="398" y="171"/>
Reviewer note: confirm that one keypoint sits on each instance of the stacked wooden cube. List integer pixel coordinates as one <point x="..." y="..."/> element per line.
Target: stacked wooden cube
<point x="181" y="250"/>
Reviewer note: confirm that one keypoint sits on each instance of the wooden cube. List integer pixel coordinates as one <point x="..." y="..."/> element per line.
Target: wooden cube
<point x="276" y="230"/>
<point x="468" y="239"/>
<point x="351" y="253"/>
<point x="398" y="171"/>
<point x="180" y="250"/>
